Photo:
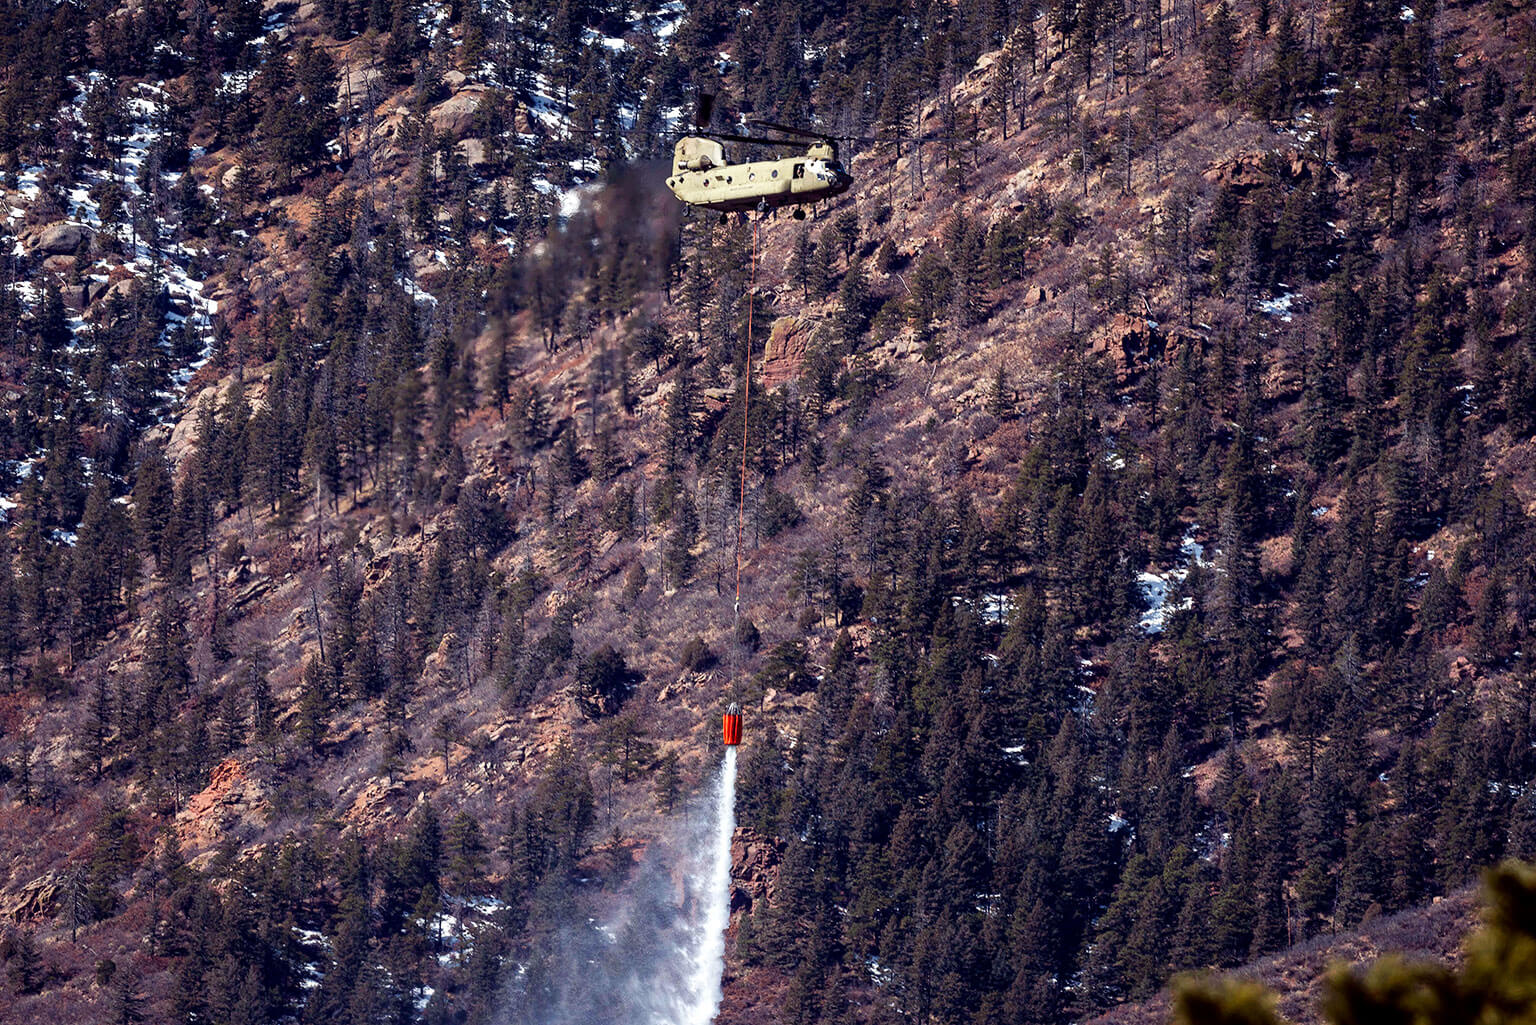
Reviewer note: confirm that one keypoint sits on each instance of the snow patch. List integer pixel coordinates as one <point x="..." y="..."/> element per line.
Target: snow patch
<point x="1156" y="588"/>
<point x="1279" y="306"/>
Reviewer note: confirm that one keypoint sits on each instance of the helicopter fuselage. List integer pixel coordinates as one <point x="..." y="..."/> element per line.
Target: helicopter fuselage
<point x="701" y="177"/>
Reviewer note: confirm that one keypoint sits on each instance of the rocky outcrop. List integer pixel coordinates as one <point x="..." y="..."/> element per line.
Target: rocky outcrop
<point x="37" y="900"/>
<point x="231" y="797"/>
<point x="1249" y="171"/>
<point x="785" y="350"/>
<point x="473" y="151"/>
<point x="754" y="870"/>
<point x="1130" y="343"/>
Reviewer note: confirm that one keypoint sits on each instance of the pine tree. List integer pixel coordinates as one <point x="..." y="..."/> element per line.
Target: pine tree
<point x="315" y="706"/>
<point x="97" y="571"/>
<point x="1219" y="53"/>
<point x="23" y="966"/>
<point x="667" y="786"/>
<point x="678" y="559"/>
<point x="803" y="269"/>
<point x="965" y="246"/>
<point x="1279" y="85"/>
<point x="98" y="725"/>
<point x="11" y="624"/>
<point x="852" y="316"/>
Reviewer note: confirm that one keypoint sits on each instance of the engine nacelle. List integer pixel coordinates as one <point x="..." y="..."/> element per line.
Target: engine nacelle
<point x="693" y="153"/>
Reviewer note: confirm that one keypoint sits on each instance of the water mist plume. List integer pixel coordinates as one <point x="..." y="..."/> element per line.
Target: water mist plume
<point x="657" y="958"/>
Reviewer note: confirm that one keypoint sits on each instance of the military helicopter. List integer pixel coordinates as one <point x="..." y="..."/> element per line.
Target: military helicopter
<point x="702" y="177"/>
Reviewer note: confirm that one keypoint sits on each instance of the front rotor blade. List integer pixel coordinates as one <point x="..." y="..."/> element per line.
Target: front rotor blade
<point x="755" y="140"/>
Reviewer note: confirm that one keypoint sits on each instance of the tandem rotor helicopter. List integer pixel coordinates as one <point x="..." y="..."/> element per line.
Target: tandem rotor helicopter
<point x="702" y="177"/>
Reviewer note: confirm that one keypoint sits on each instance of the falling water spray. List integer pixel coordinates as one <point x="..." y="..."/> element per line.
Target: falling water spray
<point x="708" y="954"/>
<point x="656" y="956"/>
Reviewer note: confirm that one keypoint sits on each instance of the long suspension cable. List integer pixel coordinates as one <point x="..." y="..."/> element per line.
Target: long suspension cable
<point x="746" y="407"/>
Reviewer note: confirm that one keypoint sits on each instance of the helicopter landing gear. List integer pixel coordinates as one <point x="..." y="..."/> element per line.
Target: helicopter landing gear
<point x="799" y="213"/>
<point x="762" y="207"/>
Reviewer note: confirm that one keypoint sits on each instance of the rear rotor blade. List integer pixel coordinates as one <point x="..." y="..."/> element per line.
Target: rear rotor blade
<point x="806" y="133"/>
<point x="875" y="139"/>
<point x="789" y="129"/>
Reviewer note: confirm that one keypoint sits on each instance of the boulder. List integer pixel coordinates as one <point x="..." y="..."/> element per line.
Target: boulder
<point x="1282" y="382"/>
<point x="453" y="115"/>
<point x="428" y="272"/>
<point x="122" y="288"/>
<point x="251" y="591"/>
<point x="184" y="431"/>
<point x="76" y="297"/>
<point x="60" y="238"/>
<point x="355" y="84"/>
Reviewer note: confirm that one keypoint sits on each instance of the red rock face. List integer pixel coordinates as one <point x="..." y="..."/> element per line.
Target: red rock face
<point x="785" y="351"/>
<point x="230" y="797"/>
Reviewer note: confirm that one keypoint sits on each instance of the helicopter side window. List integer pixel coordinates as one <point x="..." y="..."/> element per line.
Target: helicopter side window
<point x="799" y="170"/>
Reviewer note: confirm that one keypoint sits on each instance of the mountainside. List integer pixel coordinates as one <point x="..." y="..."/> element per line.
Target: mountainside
<point x="1136" y="551"/>
<point x="1434" y="934"/>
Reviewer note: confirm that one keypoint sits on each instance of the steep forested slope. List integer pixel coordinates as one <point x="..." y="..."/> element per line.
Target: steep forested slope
<point x="1138" y="563"/>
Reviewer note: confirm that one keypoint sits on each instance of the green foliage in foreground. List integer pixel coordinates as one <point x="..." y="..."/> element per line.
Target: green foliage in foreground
<point x="1495" y="986"/>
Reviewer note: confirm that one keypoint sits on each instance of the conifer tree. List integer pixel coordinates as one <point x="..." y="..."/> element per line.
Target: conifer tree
<point x="1219" y="53"/>
<point x="852" y="317"/>
<point x="11" y="625"/>
<point x="802" y="263"/>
